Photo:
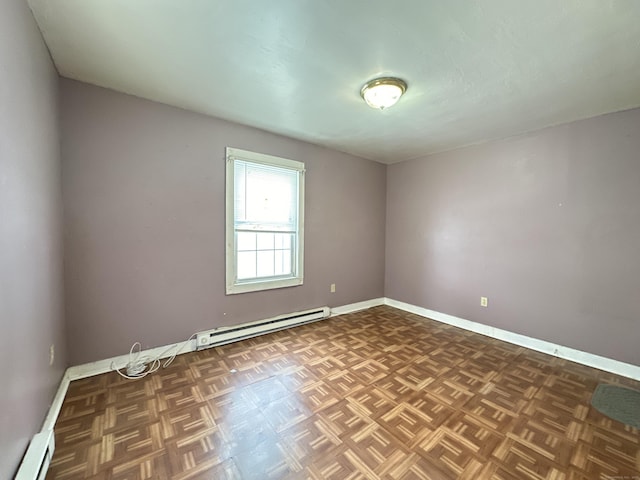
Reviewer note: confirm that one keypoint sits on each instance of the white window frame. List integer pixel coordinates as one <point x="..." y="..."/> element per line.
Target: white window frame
<point x="233" y="285"/>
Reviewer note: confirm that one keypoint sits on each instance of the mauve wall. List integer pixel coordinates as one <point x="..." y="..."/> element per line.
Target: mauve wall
<point x="547" y="226"/>
<point x="31" y="314"/>
<point x="144" y="195"/>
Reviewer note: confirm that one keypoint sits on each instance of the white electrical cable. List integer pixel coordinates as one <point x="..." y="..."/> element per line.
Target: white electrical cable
<point x="140" y="367"/>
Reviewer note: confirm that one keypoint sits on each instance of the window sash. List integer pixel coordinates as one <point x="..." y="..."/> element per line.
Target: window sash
<point x="254" y="253"/>
<point x="265" y="194"/>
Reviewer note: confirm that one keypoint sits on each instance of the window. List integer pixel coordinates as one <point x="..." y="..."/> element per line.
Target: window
<point x="265" y="211"/>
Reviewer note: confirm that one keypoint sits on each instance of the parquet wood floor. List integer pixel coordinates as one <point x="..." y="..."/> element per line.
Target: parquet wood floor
<point x="378" y="394"/>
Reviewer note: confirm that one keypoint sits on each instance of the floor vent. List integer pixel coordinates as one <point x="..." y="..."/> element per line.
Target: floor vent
<point x="223" y="335"/>
<point x="36" y="461"/>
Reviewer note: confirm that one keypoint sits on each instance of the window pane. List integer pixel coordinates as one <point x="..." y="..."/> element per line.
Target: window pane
<point x="265" y="264"/>
<point x="246" y="241"/>
<point x="246" y="265"/>
<point x="278" y="262"/>
<point x="286" y="261"/>
<point x="282" y="268"/>
<point x="283" y="240"/>
<point x="269" y="195"/>
<point x="265" y="241"/>
<point x="240" y="175"/>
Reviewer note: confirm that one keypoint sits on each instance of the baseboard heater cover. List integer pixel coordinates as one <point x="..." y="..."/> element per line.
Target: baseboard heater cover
<point x="36" y="461"/>
<point x="224" y="335"/>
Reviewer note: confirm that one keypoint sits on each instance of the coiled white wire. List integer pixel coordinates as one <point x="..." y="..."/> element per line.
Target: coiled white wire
<point x="140" y="366"/>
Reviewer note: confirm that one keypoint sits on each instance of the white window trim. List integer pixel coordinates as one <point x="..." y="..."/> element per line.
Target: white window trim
<point x="232" y="285"/>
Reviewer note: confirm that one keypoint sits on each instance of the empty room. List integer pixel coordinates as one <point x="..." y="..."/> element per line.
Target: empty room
<point x="300" y="239"/>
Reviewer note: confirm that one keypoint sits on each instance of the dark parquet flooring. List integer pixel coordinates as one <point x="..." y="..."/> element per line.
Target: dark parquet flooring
<point x="374" y="394"/>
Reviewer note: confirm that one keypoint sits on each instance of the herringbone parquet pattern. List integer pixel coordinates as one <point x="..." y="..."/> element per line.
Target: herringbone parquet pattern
<point x="375" y="394"/>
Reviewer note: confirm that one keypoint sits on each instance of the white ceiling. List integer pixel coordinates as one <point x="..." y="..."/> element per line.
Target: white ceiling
<point x="476" y="69"/>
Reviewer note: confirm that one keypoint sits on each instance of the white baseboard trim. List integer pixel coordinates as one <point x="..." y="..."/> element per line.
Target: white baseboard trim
<point x="567" y="353"/>
<point x="354" y="307"/>
<point x="56" y="404"/>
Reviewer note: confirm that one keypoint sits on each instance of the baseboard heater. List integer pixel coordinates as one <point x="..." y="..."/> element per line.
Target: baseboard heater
<point x="224" y="335"/>
<point x="36" y="461"/>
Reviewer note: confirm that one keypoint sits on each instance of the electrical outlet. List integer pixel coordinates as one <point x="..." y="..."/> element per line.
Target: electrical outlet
<point x="332" y="288"/>
<point x="52" y="354"/>
<point x="484" y="301"/>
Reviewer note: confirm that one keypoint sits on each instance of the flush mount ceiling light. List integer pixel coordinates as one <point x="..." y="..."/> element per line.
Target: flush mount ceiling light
<point x="383" y="92"/>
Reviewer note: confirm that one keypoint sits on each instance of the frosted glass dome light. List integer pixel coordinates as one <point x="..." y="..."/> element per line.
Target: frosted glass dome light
<point x="384" y="92"/>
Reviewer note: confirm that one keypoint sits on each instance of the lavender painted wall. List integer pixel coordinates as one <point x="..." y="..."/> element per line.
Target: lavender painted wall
<point x="144" y="198"/>
<point x="31" y="314"/>
<point x="546" y="225"/>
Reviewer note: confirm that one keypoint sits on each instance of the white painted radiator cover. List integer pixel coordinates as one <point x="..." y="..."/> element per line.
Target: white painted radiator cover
<point x="222" y="335"/>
